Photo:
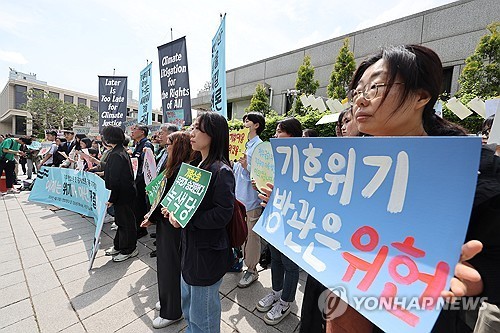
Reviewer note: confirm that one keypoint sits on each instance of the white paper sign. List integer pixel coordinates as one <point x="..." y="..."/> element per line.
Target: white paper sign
<point x="149" y="166"/>
<point x="458" y="108"/>
<point x="334" y="105"/>
<point x="478" y="106"/>
<point x="495" y="131"/>
<point x="492" y="106"/>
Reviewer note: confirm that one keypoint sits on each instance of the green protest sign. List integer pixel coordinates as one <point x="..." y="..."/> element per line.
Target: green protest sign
<point x="155" y="190"/>
<point x="262" y="170"/>
<point x="186" y="194"/>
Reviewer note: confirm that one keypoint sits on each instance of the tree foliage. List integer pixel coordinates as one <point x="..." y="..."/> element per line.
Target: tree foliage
<point x="49" y="112"/>
<point x="480" y="77"/>
<point x="259" y="101"/>
<point x="306" y="84"/>
<point x="342" y="72"/>
<point x="308" y="120"/>
<point x="481" y="74"/>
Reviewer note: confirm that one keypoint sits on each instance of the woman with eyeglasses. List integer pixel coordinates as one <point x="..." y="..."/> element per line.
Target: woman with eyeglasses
<point x="168" y="238"/>
<point x="206" y="253"/>
<point x="393" y="94"/>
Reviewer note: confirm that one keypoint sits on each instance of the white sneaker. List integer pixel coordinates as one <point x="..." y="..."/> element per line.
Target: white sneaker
<point x="122" y="257"/>
<point x="13" y="191"/>
<point x="162" y="322"/>
<point x="267" y="302"/>
<point x="114" y="226"/>
<point x="248" y="278"/>
<point x="158" y="306"/>
<point x="277" y="313"/>
<point x="111" y="251"/>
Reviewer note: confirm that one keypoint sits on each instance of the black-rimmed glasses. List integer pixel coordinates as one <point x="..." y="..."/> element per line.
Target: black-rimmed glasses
<point x="369" y="91"/>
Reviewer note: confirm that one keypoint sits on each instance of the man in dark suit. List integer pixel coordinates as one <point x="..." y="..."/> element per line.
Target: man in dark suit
<point x="139" y="135"/>
<point x="69" y="135"/>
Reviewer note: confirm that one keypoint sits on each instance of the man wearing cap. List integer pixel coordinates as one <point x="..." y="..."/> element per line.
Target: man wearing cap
<point x="139" y="135"/>
<point x="48" y="158"/>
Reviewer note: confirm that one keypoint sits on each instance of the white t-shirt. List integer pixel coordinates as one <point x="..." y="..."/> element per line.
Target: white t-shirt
<point x="52" y="151"/>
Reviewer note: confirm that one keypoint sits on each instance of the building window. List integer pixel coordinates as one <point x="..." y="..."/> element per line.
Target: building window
<point x="229" y="110"/>
<point x="447" y="76"/>
<point x="54" y="94"/>
<point x="20" y="125"/>
<point x="82" y="101"/>
<point x="94" y="105"/>
<point x="20" y="98"/>
<point x="160" y="118"/>
<point x="39" y="93"/>
<point x="68" y="99"/>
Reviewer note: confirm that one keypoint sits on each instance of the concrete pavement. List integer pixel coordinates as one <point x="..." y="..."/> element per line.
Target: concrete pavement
<point x="45" y="285"/>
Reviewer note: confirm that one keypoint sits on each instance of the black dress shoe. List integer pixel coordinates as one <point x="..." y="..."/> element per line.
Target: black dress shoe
<point x="141" y="233"/>
<point x="153" y="254"/>
<point x="152" y="235"/>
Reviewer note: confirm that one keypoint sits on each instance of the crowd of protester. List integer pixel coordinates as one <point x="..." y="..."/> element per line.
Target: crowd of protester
<point x="392" y="93"/>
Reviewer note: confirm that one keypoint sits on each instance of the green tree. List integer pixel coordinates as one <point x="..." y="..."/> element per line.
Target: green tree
<point x="480" y="77"/>
<point x="306" y="84"/>
<point x="342" y="72"/>
<point x="259" y="101"/>
<point x="49" y="112"/>
<point x="481" y="74"/>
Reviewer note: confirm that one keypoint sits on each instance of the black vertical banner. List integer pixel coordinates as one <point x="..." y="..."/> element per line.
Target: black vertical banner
<point x="174" y="82"/>
<point x="112" y="101"/>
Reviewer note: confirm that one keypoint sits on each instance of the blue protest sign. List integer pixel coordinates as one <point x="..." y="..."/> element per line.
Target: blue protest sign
<point x="78" y="191"/>
<point x="145" y="114"/>
<point x="219" y="97"/>
<point x="383" y="219"/>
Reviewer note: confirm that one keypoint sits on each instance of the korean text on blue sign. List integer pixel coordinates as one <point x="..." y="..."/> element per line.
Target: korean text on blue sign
<point x="384" y="218"/>
<point x="78" y="191"/>
<point x="145" y="114"/>
<point x="219" y="98"/>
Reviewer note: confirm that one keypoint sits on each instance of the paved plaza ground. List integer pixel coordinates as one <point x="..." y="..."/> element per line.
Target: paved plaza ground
<point x="45" y="285"/>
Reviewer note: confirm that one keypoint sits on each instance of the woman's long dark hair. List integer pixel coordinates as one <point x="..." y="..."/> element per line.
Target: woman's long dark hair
<point x="420" y="69"/>
<point x="181" y="152"/>
<point x="215" y="126"/>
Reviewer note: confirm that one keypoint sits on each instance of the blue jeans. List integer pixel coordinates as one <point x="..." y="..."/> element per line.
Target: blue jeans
<point x="201" y="307"/>
<point x="284" y="274"/>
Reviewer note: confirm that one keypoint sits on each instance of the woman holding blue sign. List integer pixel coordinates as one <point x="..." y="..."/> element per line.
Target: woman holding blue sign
<point x="206" y="254"/>
<point x="393" y="94"/>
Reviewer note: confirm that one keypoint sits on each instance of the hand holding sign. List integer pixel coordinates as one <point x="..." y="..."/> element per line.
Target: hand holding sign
<point x="186" y="194"/>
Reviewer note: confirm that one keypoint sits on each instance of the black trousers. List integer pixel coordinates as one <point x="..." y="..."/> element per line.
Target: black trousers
<point x="168" y="265"/>
<point x="8" y="167"/>
<point x="141" y="207"/>
<point x="126" y="236"/>
<point x="311" y="317"/>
